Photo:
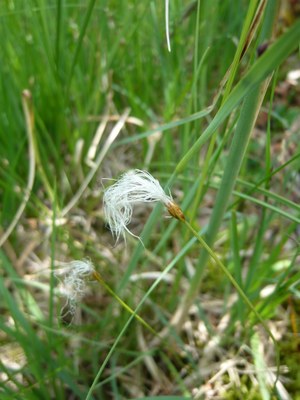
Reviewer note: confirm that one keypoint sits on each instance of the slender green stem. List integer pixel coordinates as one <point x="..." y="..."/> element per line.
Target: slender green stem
<point x="239" y="290"/>
<point x="98" y="277"/>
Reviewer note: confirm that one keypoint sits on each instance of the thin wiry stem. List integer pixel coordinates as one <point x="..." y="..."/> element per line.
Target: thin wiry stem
<point x="98" y="277"/>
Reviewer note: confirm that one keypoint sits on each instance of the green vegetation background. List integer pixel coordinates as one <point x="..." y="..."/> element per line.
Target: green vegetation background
<point x="212" y="119"/>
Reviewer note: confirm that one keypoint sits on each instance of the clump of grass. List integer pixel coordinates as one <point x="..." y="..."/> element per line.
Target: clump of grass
<point x="234" y="179"/>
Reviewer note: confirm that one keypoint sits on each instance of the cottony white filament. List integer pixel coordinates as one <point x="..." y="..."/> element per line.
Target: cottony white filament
<point x="133" y="187"/>
<point x="74" y="278"/>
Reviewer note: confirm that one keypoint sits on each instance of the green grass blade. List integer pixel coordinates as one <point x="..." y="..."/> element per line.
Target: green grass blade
<point x="265" y="64"/>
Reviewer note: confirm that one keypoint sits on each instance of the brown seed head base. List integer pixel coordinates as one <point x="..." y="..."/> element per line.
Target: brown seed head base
<point x="175" y="211"/>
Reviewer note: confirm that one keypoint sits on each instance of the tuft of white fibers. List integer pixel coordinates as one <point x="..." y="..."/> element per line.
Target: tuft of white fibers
<point x="135" y="186"/>
<point x="73" y="277"/>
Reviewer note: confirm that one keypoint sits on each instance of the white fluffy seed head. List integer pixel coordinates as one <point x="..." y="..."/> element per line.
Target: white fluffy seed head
<point x="74" y="275"/>
<point x="133" y="187"/>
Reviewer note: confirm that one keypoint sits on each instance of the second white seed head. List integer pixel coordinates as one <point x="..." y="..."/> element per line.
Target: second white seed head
<point x="74" y="276"/>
